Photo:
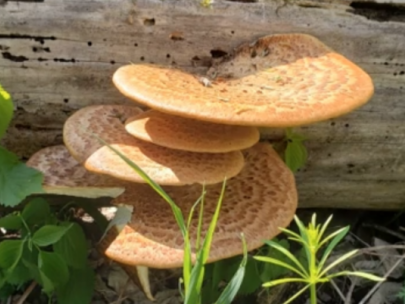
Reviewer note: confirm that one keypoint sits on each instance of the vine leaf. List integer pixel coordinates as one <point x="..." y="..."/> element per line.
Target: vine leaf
<point x="295" y="155"/>
<point x="17" y="181"/>
<point x="6" y="111"/>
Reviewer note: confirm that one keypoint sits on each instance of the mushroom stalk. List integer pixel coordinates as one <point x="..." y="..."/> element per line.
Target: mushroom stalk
<point x="143" y="275"/>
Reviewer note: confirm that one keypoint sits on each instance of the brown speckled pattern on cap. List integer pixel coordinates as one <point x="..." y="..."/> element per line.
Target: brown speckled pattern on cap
<point x="186" y="134"/>
<point x="165" y="166"/>
<point x="280" y="80"/>
<point x="64" y="175"/>
<point x="262" y="198"/>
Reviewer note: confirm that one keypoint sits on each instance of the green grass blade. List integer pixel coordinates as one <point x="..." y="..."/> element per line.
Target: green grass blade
<point x="176" y="210"/>
<point x="231" y="290"/>
<point x="291" y="234"/>
<point x="283" y="281"/>
<point x="197" y="274"/>
<point x="337" y="262"/>
<point x="280" y="263"/>
<point x="337" y="237"/>
<point x="304" y="236"/>
<point x="200" y="220"/>
<point x="287" y="254"/>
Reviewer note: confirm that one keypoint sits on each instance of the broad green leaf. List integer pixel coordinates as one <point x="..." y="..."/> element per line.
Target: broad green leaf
<point x="72" y="247"/>
<point x="79" y="288"/>
<point x="49" y="234"/>
<point x="48" y="286"/>
<point x="10" y="253"/>
<point x="53" y="267"/>
<point x="6" y="290"/>
<point x="295" y="155"/>
<point x="36" y="211"/>
<point x="17" y="181"/>
<point x="11" y="222"/>
<point x="231" y="290"/>
<point x="19" y="275"/>
<point x="6" y="111"/>
<point x="121" y="218"/>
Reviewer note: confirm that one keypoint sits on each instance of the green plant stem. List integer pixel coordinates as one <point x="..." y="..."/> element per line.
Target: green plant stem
<point x="312" y="290"/>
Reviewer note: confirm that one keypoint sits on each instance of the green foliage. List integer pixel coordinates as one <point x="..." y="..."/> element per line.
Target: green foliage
<point x="256" y="273"/>
<point x="6" y="111"/>
<point x="193" y="275"/>
<point x="17" y="181"/>
<point x="49" y="251"/>
<point x="313" y="271"/>
<point x="295" y="155"/>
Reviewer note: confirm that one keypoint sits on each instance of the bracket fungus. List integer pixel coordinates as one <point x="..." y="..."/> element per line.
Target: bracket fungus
<point x="259" y="200"/>
<point x="281" y="80"/>
<point x="165" y="166"/>
<point x="189" y="134"/>
<point x="63" y="175"/>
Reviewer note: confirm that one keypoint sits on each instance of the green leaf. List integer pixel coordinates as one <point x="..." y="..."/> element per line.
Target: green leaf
<point x="49" y="234"/>
<point x="19" y="275"/>
<point x="303" y="272"/>
<point x="338" y="261"/>
<point x="17" y="181"/>
<point x="280" y="263"/>
<point x="295" y="155"/>
<point x="337" y="237"/>
<point x="53" y="267"/>
<point x="47" y="285"/>
<point x="271" y="271"/>
<point x="284" y="281"/>
<point x="79" y="288"/>
<point x="36" y="211"/>
<point x="11" y="222"/>
<point x="251" y="280"/>
<point x="361" y="274"/>
<point x="72" y="247"/>
<point x="6" y="111"/>
<point x="10" y="253"/>
<point x="231" y="290"/>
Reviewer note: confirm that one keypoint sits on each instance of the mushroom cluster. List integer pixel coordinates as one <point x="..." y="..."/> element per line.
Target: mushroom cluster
<point x="200" y="130"/>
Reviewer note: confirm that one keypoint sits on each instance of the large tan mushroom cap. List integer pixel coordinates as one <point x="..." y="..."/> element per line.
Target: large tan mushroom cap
<point x="64" y="175"/>
<point x="278" y="81"/>
<point x="165" y="166"/>
<point x="257" y="202"/>
<point x="189" y="134"/>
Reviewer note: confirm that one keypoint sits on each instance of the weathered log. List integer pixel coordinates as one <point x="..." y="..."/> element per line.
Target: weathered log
<point x="58" y="56"/>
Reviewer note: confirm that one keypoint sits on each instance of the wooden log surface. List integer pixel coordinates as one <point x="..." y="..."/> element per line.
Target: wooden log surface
<point x="59" y="55"/>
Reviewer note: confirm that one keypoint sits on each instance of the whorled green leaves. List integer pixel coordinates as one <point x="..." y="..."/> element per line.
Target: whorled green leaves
<point x="312" y="271"/>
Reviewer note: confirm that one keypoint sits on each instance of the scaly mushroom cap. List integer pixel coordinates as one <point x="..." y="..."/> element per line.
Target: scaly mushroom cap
<point x="280" y="80"/>
<point x="64" y="175"/>
<point x="189" y="134"/>
<point x="165" y="166"/>
<point x="259" y="200"/>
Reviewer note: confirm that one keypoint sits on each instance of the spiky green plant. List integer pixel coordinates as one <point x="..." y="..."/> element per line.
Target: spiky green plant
<point x="315" y="271"/>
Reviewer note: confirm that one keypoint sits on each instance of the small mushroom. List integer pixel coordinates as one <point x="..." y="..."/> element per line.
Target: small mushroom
<point x="257" y="202"/>
<point x="189" y="134"/>
<point x="281" y="80"/>
<point x="65" y="176"/>
<point x="165" y="166"/>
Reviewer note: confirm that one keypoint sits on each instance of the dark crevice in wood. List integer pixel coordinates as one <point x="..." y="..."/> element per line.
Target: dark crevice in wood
<point x="40" y="39"/>
<point x="11" y="57"/>
<point x="379" y="11"/>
